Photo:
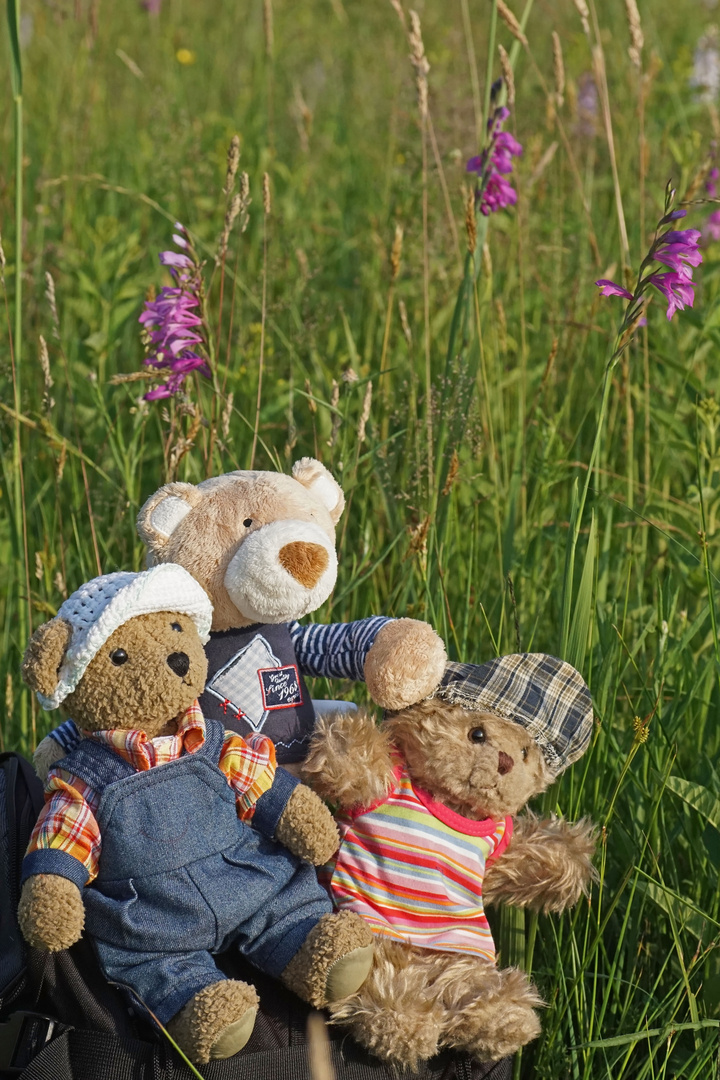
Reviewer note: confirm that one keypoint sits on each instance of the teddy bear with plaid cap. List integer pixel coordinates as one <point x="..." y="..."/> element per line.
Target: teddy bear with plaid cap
<point x="429" y="835"/>
<point x="168" y="838"/>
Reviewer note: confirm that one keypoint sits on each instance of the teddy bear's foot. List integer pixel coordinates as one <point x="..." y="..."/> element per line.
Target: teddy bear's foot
<point x="333" y="961"/>
<point x="393" y="1015"/>
<point x="216" y="1022"/>
<point x="492" y="1015"/>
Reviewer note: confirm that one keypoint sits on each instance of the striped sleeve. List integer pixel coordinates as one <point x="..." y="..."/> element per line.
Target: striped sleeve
<point x="67" y="735"/>
<point x="66" y="824"/>
<point x="249" y="765"/>
<point x="335" y="650"/>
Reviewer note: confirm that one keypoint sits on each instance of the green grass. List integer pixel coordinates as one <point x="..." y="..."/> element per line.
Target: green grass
<point x="112" y="158"/>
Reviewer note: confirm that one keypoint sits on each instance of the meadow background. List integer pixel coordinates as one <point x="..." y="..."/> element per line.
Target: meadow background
<point x="463" y="464"/>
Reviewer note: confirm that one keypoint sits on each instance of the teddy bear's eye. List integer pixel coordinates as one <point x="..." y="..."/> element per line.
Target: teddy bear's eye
<point x="524" y="753"/>
<point x="247" y="522"/>
<point x="118" y="657"/>
<point x="176" y="626"/>
<point x="477" y="735"/>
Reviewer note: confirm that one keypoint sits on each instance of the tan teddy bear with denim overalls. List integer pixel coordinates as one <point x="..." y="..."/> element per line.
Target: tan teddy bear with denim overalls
<point x="168" y="838"/>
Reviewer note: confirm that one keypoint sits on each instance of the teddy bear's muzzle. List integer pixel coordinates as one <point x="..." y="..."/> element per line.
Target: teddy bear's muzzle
<point x="306" y="562"/>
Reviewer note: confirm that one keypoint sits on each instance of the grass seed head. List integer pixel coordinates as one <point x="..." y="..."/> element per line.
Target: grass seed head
<point x="404" y="322"/>
<point x="233" y="160"/>
<point x="636" y="35"/>
<point x="365" y="414"/>
<point x="50" y="297"/>
<point x="419" y="62"/>
<point x="266" y="194"/>
<point x="511" y="22"/>
<point x="558" y="70"/>
<point x="508" y="76"/>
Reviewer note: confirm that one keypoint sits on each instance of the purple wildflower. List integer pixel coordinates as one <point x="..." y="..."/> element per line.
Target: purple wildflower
<point x="609" y="288"/>
<point x="711" y="182"/>
<point x="677" y="249"/>
<point x="493" y="191"/>
<point x="172" y="323"/>
<point x="677" y="290"/>
<point x="151" y="6"/>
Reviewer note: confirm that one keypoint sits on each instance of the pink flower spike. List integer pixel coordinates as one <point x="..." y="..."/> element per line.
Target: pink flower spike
<point x="171" y="258"/>
<point x="609" y="288"/>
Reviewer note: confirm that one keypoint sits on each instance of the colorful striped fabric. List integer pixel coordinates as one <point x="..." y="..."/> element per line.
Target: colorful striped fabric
<point x="67" y="821"/>
<point x="413" y="869"/>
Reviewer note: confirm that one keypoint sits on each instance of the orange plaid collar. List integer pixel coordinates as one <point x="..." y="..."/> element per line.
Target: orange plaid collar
<point x="144" y="753"/>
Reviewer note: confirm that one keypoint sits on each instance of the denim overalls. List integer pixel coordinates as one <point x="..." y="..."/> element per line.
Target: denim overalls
<point x="181" y="878"/>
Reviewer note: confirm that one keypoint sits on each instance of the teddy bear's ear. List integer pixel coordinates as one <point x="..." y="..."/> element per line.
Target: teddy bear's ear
<point x="163" y="512"/>
<point x="316" y="478"/>
<point x="44" y="655"/>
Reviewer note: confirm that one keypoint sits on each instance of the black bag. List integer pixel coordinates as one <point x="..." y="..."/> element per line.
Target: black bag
<point x="61" y="1020"/>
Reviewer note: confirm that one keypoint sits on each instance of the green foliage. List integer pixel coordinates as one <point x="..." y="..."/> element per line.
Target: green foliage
<point x="458" y="485"/>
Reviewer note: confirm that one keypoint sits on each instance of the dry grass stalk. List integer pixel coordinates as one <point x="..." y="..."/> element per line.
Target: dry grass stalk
<point x="508" y="75"/>
<point x="584" y="12"/>
<point x="511" y="22"/>
<point x="266" y="194"/>
<point x="303" y="117"/>
<point x="419" y="61"/>
<point x="636" y="35"/>
<point x="418" y="537"/>
<point x="184" y="443"/>
<point x="399" y="10"/>
<point x="312" y="406"/>
<point x="245" y="200"/>
<point x="404" y="322"/>
<point x="233" y="160"/>
<point x="47" y="401"/>
<point x="134" y="376"/>
<point x="452" y="473"/>
<point x="542" y="165"/>
<point x="365" y="414"/>
<point x="59" y="583"/>
<point x="2" y="263"/>
<point x="501" y="325"/>
<point x="396" y="252"/>
<point x="558" y="70"/>
<point x="487" y="261"/>
<point x="470" y="223"/>
<point x="50" y="297"/>
<point x="268" y="27"/>
<point x="226" y="415"/>
<point x="62" y="458"/>
<point x="337" y="418"/>
<point x="319" y="1048"/>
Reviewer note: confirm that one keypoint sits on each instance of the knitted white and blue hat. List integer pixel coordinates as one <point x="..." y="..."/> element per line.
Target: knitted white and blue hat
<point x="100" y="606"/>
<point x="546" y="695"/>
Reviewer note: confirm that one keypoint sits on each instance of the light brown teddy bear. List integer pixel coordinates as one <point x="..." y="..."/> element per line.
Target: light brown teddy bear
<point x="168" y="838"/>
<point x="262" y="545"/>
<point x="427" y="836"/>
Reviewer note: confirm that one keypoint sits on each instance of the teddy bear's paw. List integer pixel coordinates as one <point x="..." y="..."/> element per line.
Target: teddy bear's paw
<point x="51" y="913"/>
<point x="405" y="664"/>
<point x="349" y="760"/>
<point x="47" y="753"/>
<point x="217" y="1022"/>
<point x="306" y="827"/>
<point x="333" y="961"/>
<point x="393" y="1015"/>
<point x="499" y="1021"/>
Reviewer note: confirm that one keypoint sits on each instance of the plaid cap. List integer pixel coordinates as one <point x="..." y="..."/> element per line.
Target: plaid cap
<point x="546" y="695"/>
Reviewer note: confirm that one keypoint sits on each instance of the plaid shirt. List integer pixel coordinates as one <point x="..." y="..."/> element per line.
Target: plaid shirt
<point x="67" y="821"/>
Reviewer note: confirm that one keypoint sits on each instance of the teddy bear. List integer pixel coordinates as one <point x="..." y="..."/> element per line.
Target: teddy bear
<point x="427" y="803"/>
<point x="262" y="545"/>
<point x="168" y="838"/>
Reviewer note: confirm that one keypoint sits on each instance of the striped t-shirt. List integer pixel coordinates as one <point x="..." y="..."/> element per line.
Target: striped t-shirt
<point x="413" y="869"/>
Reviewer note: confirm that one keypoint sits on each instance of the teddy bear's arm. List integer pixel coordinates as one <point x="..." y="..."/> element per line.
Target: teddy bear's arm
<point x="55" y="746"/>
<point x="546" y="867"/>
<point x="306" y="827"/>
<point x="51" y="913"/>
<point x="349" y="760"/>
<point x="401" y="660"/>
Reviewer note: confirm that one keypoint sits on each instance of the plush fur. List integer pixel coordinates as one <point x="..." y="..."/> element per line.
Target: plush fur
<point x="163" y="672"/>
<point x="334" y="959"/>
<point x="404" y="664"/>
<point x="51" y="913"/>
<point x="216" y="1020"/>
<point x="416" y="1001"/>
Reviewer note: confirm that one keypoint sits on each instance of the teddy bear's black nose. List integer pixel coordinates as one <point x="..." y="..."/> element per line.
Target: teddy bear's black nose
<point x="505" y="763"/>
<point x="179" y="662"/>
